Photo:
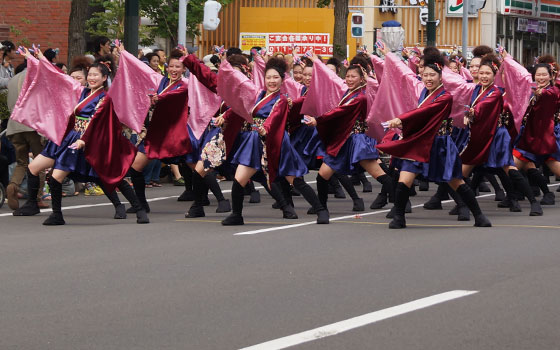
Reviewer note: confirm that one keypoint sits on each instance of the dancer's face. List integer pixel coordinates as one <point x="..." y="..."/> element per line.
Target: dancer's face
<point x="431" y="78"/>
<point x="307" y="74"/>
<point x="272" y="80"/>
<point x="474" y="67"/>
<point x="79" y="77"/>
<point x="95" y="79"/>
<point x="353" y="78"/>
<point x="542" y="77"/>
<point x="485" y="76"/>
<point x="176" y="69"/>
<point x="298" y="73"/>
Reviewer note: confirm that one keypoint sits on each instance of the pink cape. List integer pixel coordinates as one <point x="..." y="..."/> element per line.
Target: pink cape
<point x="398" y="93"/>
<point x="258" y="72"/>
<point x="325" y="91"/>
<point x="378" y="65"/>
<point x="238" y="91"/>
<point x="517" y="82"/>
<point x="48" y="101"/>
<point x="130" y="89"/>
<point x="203" y="105"/>
<point x="461" y="91"/>
<point x="466" y="74"/>
<point x="291" y="87"/>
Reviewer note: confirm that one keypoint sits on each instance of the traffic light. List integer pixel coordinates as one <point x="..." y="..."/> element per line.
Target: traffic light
<point x="475" y="5"/>
<point x="211" y="11"/>
<point x="357" y="25"/>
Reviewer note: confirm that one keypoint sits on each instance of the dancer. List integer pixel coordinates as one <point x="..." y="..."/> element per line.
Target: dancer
<point x="342" y="130"/>
<point x="426" y="147"/>
<point x="263" y="145"/>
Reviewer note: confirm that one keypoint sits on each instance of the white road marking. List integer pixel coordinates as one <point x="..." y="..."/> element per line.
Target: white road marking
<point x="359" y="321"/>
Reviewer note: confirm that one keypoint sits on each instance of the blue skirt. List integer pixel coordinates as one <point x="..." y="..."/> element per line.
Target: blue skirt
<point x="540" y="159"/>
<point x="249" y="151"/>
<point x="357" y="147"/>
<point x="461" y="137"/>
<point x="444" y="165"/>
<point x="72" y="160"/>
<point x="500" y="150"/>
<point x="198" y="144"/>
<point x="307" y="144"/>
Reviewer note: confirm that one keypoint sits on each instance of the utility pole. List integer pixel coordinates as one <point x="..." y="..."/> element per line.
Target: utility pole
<point x="465" y="37"/>
<point x="431" y="25"/>
<point x="182" y="27"/>
<point x="131" y="23"/>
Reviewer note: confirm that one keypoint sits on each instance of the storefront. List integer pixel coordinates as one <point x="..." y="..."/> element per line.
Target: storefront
<point x="528" y="29"/>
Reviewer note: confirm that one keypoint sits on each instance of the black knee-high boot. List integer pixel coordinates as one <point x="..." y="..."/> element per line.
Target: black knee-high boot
<point x="335" y="188"/>
<point x="199" y="189"/>
<point x="278" y="194"/>
<point x="523" y="185"/>
<point x="30" y="207"/>
<point x="312" y="198"/>
<point x="286" y="191"/>
<point x="467" y="194"/>
<point x="187" y="174"/>
<point x="56" y="200"/>
<point x="499" y="193"/>
<point x="120" y="210"/>
<point x="387" y="185"/>
<point x="402" y="193"/>
<point x="322" y="190"/>
<point x="237" y="195"/>
<point x="357" y="202"/>
<point x="130" y="195"/>
<point x="254" y="194"/>
<point x="539" y="180"/>
<point x="211" y="182"/>
<point x="366" y="185"/>
<point x="461" y="209"/>
<point x="434" y="203"/>
<point x="140" y="189"/>
<point x="423" y="185"/>
<point x="511" y="197"/>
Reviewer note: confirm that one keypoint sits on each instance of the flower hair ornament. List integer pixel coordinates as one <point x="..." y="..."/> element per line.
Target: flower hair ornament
<point x="106" y="64"/>
<point x="495" y="67"/>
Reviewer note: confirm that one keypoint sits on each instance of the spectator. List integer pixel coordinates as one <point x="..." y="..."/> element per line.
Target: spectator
<point x="162" y="60"/>
<point x="7" y="54"/>
<point x="102" y="47"/>
<point x="51" y="55"/>
<point x="153" y="61"/>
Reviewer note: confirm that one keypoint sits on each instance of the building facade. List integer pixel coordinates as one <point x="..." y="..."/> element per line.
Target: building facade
<point x="529" y="28"/>
<point x="36" y="21"/>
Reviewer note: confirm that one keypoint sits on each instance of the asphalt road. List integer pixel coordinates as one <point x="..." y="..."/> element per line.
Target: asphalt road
<point x="99" y="283"/>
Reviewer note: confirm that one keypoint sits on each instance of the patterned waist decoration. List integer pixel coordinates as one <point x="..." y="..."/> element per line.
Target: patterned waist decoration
<point x="360" y="127"/>
<point x="81" y="124"/>
<point x="446" y="127"/>
<point x="503" y="120"/>
<point x="255" y="126"/>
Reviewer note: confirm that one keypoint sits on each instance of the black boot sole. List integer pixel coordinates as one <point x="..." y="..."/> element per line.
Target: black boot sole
<point x="233" y="220"/>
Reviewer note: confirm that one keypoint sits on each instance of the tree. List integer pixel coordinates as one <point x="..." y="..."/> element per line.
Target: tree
<point x="340" y="26"/>
<point x="110" y="21"/>
<point x="165" y="16"/>
<point x="76" y="29"/>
